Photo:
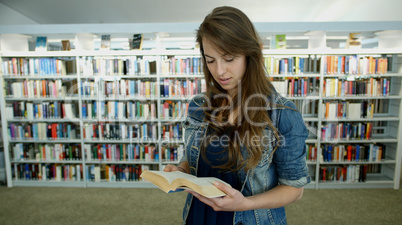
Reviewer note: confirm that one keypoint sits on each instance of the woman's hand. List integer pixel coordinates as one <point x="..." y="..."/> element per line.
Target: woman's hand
<point x="181" y="168"/>
<point x="171" y="168"/>
<point x="233" y="201"/>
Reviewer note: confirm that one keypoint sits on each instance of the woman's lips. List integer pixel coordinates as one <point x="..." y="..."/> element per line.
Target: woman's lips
<point x="224" y="81"/>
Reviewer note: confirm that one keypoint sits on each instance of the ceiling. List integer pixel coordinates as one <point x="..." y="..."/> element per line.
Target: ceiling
<point x="109" y="15"/>
<point x="180" y="11"/>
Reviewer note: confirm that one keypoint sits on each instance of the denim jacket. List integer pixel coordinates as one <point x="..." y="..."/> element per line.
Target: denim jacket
<point x="287" y="166"/>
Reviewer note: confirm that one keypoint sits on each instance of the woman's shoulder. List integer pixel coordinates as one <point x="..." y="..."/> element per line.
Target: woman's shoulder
<point x="279" y="102"/>
<point x="198" y="99"/>
<point x="195" y="108"/>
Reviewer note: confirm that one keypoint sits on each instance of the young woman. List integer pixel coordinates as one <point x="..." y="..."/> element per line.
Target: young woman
<point x="241" y="131"/>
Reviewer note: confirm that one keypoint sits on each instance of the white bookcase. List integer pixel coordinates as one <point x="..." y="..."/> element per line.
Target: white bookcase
<point x="84" y="87"/>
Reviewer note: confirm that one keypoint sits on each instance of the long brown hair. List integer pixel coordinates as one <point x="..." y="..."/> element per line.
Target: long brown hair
<point x="231" y="32"/>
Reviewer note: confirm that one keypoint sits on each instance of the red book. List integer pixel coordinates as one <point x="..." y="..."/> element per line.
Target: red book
<point x="99" y="152"/>
<point x="349" y="152"/>
<point x="43" y="88"/>
<point x="344" y="173"/>
<point x="324" y="174"/>
<point x="94" y="131"/>
<point x="343" y="65"/>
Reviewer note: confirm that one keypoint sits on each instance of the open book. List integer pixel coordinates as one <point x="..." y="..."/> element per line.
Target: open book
<point x="178" y="181"/>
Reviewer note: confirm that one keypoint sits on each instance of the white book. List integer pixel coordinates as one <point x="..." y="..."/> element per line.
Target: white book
<point x="44" y="174"/>
<point x="280" y="86"/>
<point x="97" y="173"/>
<point x="120" y="110"/>
<point x="30" y="111"/>
<point x="58" y="173"/>
<point x="354" y="110"/>
<point x="69" y="111"/>
<point x="89" y="111"/>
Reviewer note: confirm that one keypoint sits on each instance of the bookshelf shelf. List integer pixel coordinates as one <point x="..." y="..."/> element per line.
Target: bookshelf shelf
<point x="45" y="141"/>
<point x="52" y="183"/>
<point x="121" y="184"/>
<point x="12" y="77"/>
<point x="362" y="119"/>
<point x="382" y="140"/>
<point x="118" y="77"/>
<point x="363" y="97"/>
<point x="43" y="99"/>
<point x="121" y="141"/>
<point x="17" y="120"/>
<point x="358" y="163"/>
<point x="47" y="161"/>
<point x="133" y="162"/>
<point x="87" y="84"/>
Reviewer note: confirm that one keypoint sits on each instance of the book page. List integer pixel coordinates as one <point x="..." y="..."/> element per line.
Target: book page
<point x="201" y="181"/>
<point x="171" y="176"/>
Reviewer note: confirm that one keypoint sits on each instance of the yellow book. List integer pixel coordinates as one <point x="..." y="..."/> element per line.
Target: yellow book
<point x="147" y="89"/>
<point x="177" y="181"/>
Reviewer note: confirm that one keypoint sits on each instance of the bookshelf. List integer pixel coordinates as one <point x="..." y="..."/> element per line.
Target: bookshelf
<point x="125" y="108"/>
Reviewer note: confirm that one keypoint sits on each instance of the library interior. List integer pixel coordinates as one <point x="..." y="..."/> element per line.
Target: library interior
<point x="95" y="93"/>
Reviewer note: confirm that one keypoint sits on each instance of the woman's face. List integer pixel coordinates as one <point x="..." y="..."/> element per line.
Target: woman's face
<point x="227" y="70"/>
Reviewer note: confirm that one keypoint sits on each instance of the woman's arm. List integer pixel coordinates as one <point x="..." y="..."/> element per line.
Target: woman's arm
<point x="279" y="196"/>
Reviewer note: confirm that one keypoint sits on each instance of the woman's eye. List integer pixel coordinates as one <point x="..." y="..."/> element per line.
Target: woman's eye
<point x="210" y="61"/>
<point x="229" y="60"/>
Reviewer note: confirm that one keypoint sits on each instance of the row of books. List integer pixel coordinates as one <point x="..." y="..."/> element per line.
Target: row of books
<point x="182" y="88"/>
<point x="300" y="87"/>
<point x="43" y="110"/>
<point x="347" y="131"/>
<point x="121" y="152"/>
<point x="349" y="173"/>
<point x="43" y="152"/>
<point x="118" y="110"/>
<point x="102" y="66"/>
<point x="42" y="131"/>
<point x="47" y="172"/>
<point x="172" y="153"/>
<point x="140" y="88"/>
<point x="290" y="66"/>
<point x="36" y="89"/>
<point x="334" y="87"/>
<point x="49" y="152"/>
<point x="354" y="64"/>
<point x="349" y="110"/>
<point x="174" y="110"/>
<point x="34" y="66"/>
<point x="357" y="153"/>
<point x="107" y="131"/>
<point x="95" y="152"/>
<point x="116" y="88"/>
<point x="182" y="66"/>
<point x="116" y="173"/>
<point x="311" y="152"/>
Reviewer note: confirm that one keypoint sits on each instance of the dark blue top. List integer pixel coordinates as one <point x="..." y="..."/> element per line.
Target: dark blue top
<point x="216" y="154"/>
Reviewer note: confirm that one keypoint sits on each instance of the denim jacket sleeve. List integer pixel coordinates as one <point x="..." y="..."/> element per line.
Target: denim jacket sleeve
<point x="290" y="156"/>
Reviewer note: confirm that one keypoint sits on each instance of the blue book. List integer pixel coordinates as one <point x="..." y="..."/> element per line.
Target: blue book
<point x="41" y="43"/>
<point x="69" y="131"/>
<point x="330" y="150"/>
<point x="27" y="177"/>
<point x="84" y="111"/>
<point x="357" y="153"/>
<point x="347" y="64"/>
<point x="44" y="111"/>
